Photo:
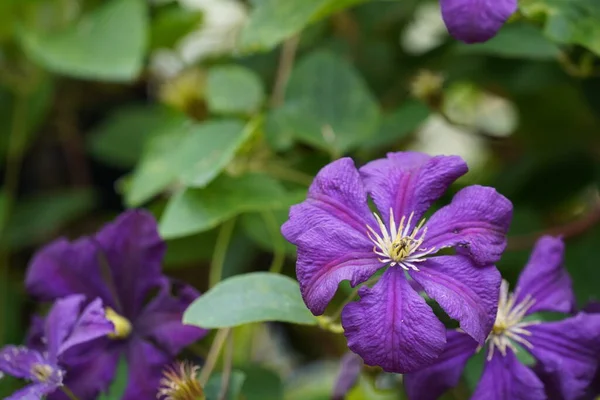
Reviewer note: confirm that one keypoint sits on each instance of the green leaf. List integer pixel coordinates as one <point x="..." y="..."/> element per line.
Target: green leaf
<point x="232" y="89"/>
<point x="171" y="24"/>
<point x="192" y="154"/>
<point x="108" y="44"/>
<point x="261" y="383"/>
<point x="516" y="41"/>
<point x="333" y="108"/>
<point x="119" y="384"/>
<point x="35" y="219"/>
<point x="399" y="124"/>
<point x="234" y="387"/>
<point x="568" y="22"/>
<point x="195" y="210"/>
<point x="119" y="141"/>
<point x="244" y="299"/>
<point x="273" y="21"/>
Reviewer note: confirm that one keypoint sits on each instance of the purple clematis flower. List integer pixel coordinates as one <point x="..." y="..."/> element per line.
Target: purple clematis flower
<point x="339" y="238"/>
<point x="566" y="351"/>
<point x="473" y="21"/>
<point x="121" y="264"/>
<point x="66" y="326"/>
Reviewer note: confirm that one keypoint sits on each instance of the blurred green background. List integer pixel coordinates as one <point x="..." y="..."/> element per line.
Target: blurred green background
<point x="216" y="115"/>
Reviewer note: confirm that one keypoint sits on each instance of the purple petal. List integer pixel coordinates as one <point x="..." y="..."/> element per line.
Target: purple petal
<point x="408" y="182"/>
<point x="328" y="255"/>
<point x="146" y="365"/>
<point x="18" y="361"/>
<point x="568" y="352"/>
<point x="134" y="252"/>
<point x="392" y="326"/>
<point x="473" y="21"/>
<point x="477" y="221"/>
<point x="63" y="268"/>
<point x="545" y="279"/>
<point x="431" y="382"/>
<point x="468" y="293"/>
<point x="87" y="379"/>
<point x="32" y="392"/>
<point x="66" y="327"/>
<point x="350" y="368"/>
<point x="160" y="321"/>
<point x="504" y="377"/>
<point x="336" y="198"/>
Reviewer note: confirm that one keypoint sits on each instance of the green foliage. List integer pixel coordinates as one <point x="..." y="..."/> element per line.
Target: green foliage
<point x="107" y="44"/>
<point x="233" y="89"/>
<point x="119" y="385"/>
<point x="332" y="108"/>
<point x="234" y="386"/>
<point x="254" y="297"/>
<point x="196" y="210"/>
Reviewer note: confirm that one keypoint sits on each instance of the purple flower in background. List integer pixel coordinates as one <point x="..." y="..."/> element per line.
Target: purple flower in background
<point x="339" y="238"/>
<point x="64" y="328"/>
<point x="473" y="21"/>
<point x="350" y="367"/>
<point x="121" y="264"/>
<point x="566" y="351"/>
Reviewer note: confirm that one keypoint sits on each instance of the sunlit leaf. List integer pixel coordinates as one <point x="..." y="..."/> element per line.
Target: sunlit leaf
<point x="233" y="89"/>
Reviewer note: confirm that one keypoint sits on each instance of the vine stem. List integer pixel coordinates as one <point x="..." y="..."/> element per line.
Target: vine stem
<point x="227" y="366"/>
<point x="213" y="355"/>
<point x="218" y="259"/>
<point x="278" y="243"/>
<point x="69" y="392"/>
<point x="286" y="62"/>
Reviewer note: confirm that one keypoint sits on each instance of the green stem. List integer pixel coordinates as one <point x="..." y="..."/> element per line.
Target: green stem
<point x="278" y="243"/>
<point x="227" y="366"/>
<point x="69" y="393"/>
<point x="213" y="355"/>
<point x="14" y="160"/>
<point x="218" y="259"/>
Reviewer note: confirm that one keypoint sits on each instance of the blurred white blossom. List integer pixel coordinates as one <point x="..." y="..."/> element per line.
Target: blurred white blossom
<point x="426" y="31"/>
<point x="439" y="137"/>
<point x="217" y="35"/>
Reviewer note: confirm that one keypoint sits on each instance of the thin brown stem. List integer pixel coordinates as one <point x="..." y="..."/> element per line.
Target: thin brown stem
<point x="286" y="63"/>
<point x="69" y="393"/>
<point x="213" y="355"/>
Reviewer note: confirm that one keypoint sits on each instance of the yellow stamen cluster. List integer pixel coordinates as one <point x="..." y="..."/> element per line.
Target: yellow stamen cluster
<point x="180" y="382"/>
<point x="41" y="372"/>
<point x="509" y="325"/>
<point x="399" y="246"/>
<point x="122" y="325"/>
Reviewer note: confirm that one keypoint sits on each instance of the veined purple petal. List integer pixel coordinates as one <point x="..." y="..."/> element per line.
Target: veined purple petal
<point x="335" y="198"/>
<point x="71" y="268"/>
<point x="34" y="391"/>
<point x="504" y="377"/>
<point x="146" y="365"/>
<point x="18" y="361"/>
<point x="467" y="292"/>
<point x="350" y="367"/>
<point x="545" y="279"/>
<point x="328" y="255"/>
<point x="94" y="374"/>
<point x="66" y="326"/>
<point x="134" y="252"/>
<point x="160" y="322"/>
<point x="392" y="326"/>
<point x="431" y="382"/>
<point x="408" y="182"/>
<point x="568" y="352"/>
<point x="476" y="221"/>
<point x="473" y="21"/>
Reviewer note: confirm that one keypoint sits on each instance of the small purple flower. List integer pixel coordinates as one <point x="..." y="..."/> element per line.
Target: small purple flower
<point x="473" y="21"/>
<point x="121" y="264"/>
<point x="339" y="238"/>
<point x="566" y="351"/>
<point x="350" y="367"/>
<point x="64" y="328"/>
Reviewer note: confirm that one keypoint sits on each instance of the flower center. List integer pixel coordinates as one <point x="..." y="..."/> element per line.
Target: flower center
<point x="41" y="372"/>
<point x="509" y="326"/>
<point x="399" y="246"/>
<point x="122" y="325"/>
<point x="181" y="384"/>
